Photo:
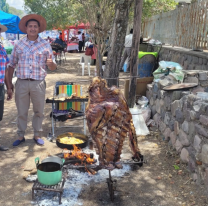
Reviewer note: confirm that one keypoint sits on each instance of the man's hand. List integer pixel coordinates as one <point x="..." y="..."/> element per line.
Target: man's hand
<point x="50" y="63"/>
<point x="10" y="93"/>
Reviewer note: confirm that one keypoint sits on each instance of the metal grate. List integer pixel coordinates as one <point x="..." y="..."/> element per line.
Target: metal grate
<point x="53" y="188"/>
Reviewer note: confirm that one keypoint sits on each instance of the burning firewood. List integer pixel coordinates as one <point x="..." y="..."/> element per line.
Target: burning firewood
<point x="110" y="122"/>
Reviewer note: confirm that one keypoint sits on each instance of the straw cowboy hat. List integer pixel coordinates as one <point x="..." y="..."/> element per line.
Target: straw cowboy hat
<point x="39" y="18"/>
<point x="3" y="28"/>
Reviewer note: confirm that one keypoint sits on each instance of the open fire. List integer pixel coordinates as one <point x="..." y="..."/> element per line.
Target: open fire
<point x="78" y="157"/>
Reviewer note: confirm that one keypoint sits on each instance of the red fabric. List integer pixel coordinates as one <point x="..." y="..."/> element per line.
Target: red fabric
<point x="80" y="26"/>
<point x="89" y="51"/>
<point x="95" y="53"/>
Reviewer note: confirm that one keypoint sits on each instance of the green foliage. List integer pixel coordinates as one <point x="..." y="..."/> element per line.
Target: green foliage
<point x="4" y="6"/>
<point x="17" y="12"/>
<point x="58" y="13"/>
<point x="153" y="7"/>
<point x="176" y="167"/>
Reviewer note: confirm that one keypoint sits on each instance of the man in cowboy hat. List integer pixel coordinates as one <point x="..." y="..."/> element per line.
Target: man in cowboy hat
<point x="31" y="55"/>
<point x="3" y="64"/>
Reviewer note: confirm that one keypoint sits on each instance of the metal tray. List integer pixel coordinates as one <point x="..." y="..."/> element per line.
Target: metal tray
<point x="180" y="86"/>
<point x="70" y="146"/>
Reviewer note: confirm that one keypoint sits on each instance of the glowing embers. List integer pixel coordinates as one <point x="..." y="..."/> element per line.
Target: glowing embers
<point x="77" y="157"/>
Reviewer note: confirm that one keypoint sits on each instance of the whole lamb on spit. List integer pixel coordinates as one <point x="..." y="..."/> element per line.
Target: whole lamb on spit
<point x="110" y="122"/>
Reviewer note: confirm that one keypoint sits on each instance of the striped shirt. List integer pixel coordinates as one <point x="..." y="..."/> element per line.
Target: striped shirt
<point x="4" y="60"/>
<point x="30" y="58"/>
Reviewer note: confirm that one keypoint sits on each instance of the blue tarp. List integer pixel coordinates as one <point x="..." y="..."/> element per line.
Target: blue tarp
<point x="11" y="22"/>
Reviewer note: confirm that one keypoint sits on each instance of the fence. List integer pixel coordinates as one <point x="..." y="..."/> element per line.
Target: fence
<point x="186" y="26"/>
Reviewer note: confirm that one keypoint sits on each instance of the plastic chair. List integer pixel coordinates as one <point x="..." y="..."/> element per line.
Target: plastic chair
<point x="84" y="59"/>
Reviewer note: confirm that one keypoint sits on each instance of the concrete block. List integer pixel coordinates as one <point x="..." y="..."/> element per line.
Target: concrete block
<point x="191" y="80"/>
<point x="204" y="61"/>
<point x="195" y="60"/>
<point x="203" y="76"/>
<point x="200" y="61"/>
<point x="189" y="59"/>
<point x="185" y="65"/>
<point x="204" y="83"/>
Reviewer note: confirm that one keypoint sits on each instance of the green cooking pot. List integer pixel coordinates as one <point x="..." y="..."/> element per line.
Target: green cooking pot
<point x="49" y="173"/>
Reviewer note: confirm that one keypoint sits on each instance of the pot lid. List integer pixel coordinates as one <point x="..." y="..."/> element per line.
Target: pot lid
<point x="180" y="86"/>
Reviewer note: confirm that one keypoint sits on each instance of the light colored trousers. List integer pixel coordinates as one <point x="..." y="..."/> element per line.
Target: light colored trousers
<point x="26" y="90"/>
<point x="127" y="54"/>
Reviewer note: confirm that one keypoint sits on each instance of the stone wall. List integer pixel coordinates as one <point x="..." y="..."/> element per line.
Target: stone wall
<point x="182" y="118"/>
<point x="189" y="60"/>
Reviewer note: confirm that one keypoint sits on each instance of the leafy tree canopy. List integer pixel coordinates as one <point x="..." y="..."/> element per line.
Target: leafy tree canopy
<point x="153" y="7"/>
<point x="4" y="6"/>
<point x="58" y="13"/>
<point x="17" y="12"/>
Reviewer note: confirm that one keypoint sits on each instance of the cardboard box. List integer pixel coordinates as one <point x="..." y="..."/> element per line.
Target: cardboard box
<point x="141" y="86"/>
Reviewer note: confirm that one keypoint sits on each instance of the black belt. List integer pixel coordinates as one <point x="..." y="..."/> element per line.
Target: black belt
<point x="29" y="79"/>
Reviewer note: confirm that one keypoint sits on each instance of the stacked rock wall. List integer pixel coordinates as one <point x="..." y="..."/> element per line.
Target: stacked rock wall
<point x="182" y="118"/>
<point x="189" y="60"/>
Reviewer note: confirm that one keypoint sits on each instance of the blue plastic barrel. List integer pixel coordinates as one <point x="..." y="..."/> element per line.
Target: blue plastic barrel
<point x="146" y="65"/>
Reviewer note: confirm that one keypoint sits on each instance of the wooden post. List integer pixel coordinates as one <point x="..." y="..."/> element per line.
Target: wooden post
<point x="134" y="51"/>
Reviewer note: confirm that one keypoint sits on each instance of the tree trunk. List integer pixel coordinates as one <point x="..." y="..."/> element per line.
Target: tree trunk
<point x="134" y="51"/>
<point x="117" y="41"/>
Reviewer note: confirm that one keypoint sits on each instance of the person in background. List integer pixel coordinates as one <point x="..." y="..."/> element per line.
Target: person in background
<point x="4" y="60"/>
<point x="88" y="43"/>
<point x="31" y="55"/>
<point x="79" y="37"/>
<point x="60" y="41"/>
<point x="83" y="40"/>
<point x="49" y="40"/>
<point x="127" y="51"/>
<point x="60" y="36"/>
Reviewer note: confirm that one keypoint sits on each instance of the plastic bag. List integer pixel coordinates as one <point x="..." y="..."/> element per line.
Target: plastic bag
<point x="168" y="68"/>
<point x="143" y="101"/>
<point x="139" y="123"/>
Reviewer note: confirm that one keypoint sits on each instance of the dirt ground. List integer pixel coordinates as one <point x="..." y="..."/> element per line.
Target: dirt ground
<point x="156" y="183"/>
